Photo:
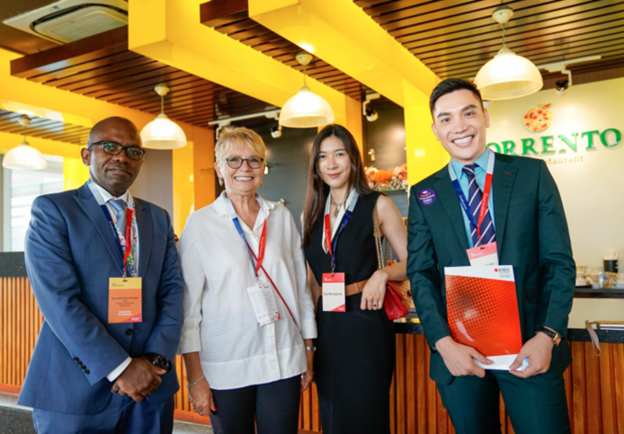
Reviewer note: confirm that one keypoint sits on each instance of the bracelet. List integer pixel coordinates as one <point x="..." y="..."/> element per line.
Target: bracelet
<point x="310" y="348"/>
<point x="188" y="386"/>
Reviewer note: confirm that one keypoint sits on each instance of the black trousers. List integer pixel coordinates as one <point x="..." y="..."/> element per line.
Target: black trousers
<point x="275" y="406"/>
<point x="536" y="405"/>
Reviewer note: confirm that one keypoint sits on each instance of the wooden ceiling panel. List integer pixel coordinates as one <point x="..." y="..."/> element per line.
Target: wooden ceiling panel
<point x="102" y="67"/>
<point x="43" y="128"/>
<point x="456" y="38"/>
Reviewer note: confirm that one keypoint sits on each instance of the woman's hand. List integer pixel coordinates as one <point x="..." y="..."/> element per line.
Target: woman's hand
<point x="308" y="376"/>
<point x="200" y="396"/>
<point x="374" y="291"/>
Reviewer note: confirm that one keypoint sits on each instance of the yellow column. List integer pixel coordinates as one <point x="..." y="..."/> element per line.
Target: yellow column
<point x="203" y="167"/>
<point x="354" y="122"/>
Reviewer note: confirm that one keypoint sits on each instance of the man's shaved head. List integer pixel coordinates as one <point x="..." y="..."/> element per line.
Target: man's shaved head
<point x="95" y="135"/>
<point x="115" y="173"/>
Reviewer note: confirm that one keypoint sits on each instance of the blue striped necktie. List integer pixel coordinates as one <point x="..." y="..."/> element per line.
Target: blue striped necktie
<point x="474" y="202"/>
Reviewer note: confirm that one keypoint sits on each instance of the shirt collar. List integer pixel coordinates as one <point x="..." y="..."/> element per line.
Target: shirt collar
<point x="482" y="162"/>
<point x="103" y="196"/>
<point x="221" y="208"/>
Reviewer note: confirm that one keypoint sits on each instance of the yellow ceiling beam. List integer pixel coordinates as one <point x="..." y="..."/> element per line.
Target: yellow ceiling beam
<point x="343" y="35"/>
<point x="170" y="31"/>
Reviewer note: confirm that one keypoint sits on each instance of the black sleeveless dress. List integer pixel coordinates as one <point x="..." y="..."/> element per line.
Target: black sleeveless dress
<point x="354" y="359"/>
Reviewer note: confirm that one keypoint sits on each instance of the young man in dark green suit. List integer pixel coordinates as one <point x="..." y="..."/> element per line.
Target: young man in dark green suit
<point x="526" y="220"/>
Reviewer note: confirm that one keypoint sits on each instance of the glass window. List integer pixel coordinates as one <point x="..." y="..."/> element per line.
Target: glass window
<point x="19" y="190"/>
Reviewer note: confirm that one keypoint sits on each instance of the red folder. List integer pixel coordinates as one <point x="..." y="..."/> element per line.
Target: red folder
<point x="483" y="309"/>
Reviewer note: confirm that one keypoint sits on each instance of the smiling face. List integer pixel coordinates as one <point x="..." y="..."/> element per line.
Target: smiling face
<point x="334" y="164"/>
<point x="459" y="123"/>
<point x="243" y="181"/>
<point x="115" y="173"/>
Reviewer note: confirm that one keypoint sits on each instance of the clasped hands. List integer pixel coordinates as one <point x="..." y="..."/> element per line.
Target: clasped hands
<point x="139" y="379"/>
<point x="459" y="361"/>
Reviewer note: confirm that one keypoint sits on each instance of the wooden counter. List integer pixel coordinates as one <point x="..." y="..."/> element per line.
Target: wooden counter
<point x="595" y="385"/>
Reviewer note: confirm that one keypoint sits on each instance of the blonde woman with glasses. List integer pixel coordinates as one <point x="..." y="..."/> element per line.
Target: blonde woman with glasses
<point x="249" y="316"/>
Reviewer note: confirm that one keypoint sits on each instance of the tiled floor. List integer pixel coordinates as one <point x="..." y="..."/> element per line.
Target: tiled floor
<point x="15" y="419"/>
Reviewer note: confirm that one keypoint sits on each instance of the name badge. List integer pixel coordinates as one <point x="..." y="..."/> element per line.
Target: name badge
<point x="482" y="256"/>
<point x="263" y="302"/>
<point x="124" y="300"/>
<point x="334" y="292"/>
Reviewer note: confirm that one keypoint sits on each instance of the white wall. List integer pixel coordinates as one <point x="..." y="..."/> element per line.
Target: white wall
<point x="591" y="181"/>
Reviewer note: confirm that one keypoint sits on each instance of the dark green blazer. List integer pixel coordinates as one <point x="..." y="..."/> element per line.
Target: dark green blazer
<point x="531" y="233"/>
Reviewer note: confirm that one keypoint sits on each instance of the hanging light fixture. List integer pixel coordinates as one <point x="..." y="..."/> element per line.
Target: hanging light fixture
<point x="306" y="109"/>
<point x="507" y="75"/>
<point x="24" y="156"/>
<point x="162" y="133"/>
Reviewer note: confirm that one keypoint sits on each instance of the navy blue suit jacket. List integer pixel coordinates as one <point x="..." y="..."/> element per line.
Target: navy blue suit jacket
<point x="70" y="254"/>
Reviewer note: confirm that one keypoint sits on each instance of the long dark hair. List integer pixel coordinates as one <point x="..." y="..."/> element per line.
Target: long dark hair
<point x="317" y="190"/>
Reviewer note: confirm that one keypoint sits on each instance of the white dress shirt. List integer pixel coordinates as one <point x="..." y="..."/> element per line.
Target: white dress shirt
<point x="219" y="319"/>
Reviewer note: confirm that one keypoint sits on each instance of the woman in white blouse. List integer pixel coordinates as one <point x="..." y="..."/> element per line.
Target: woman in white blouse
<point x="249" y="315"/>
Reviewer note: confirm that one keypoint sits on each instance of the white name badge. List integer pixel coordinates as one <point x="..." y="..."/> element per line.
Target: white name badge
<point x="263" y="302"/>
<point x="483" y="256"/>
<point x="334" y="292"/>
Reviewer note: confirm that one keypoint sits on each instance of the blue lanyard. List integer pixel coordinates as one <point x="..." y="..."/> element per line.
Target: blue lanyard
<point x="239" y="229"/>
<point x="345" y="219"/>
<point x="460" y="193"/>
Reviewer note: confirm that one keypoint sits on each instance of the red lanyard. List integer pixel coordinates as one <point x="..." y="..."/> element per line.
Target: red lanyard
<point x="129" y="214"/>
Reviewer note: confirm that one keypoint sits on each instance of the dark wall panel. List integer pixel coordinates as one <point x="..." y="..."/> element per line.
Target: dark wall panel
<point x="155" y="181"/>
<point x="287" y="179"/>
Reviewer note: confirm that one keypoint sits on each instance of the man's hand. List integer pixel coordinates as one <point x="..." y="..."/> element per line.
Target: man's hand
<point x="139" y="379"/>
<point x="538" y="350"/>
<point x="458" y="358"/>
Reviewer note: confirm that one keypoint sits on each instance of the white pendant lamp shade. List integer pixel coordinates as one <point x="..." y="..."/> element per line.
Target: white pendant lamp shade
<point x="508" y="76"/>
<point x="162" y="133"/>
<point x="306" y="110"/>
<point x="24" y="157"/>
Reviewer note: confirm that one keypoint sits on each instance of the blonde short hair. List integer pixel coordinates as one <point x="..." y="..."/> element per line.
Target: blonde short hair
<point x="230" y="135"/>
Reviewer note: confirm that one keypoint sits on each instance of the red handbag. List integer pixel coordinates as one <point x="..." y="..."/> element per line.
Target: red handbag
<point x="398" y="299"/>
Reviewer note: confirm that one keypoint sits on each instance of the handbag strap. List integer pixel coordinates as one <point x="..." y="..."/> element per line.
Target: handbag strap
<point x="377" y="233"/>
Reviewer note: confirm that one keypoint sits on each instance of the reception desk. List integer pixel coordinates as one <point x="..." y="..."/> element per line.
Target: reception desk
<point x="595" y="385"/>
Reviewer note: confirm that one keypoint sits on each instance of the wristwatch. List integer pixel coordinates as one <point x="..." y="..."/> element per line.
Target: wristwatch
<point x="556" y="339"/>
<point x="312" y="348"/>
<point x="157" y="360"/>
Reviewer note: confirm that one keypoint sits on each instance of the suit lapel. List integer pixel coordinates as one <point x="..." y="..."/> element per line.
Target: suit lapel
<point x="502" y="184"/>
<point x="89" y="205"/>
<point x="144" y="224"/>
<point x="450" y="202"/>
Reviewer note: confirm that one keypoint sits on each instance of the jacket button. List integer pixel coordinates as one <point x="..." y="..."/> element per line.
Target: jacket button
<point x="76" y="359"/>
<point x="129" y="332"/>
<point x="80" y="363"/>
<point x="87" y="371"/>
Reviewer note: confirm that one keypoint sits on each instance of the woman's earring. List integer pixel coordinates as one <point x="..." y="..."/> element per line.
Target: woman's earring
<point x="221" y="182"/>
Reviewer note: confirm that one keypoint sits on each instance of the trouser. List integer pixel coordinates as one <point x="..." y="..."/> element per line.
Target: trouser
<point x="536" y="405"/>
<point x="275" y="406"/>
<point x="121" y="416"/>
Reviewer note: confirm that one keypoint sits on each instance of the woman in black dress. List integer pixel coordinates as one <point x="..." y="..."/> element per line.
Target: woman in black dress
<point x="354" y="361"/>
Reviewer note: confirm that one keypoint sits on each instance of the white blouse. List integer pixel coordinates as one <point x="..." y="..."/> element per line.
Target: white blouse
<point x="219" y="318"/>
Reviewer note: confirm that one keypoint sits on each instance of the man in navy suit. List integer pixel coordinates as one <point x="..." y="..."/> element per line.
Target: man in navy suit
<point x="88" y="373"/>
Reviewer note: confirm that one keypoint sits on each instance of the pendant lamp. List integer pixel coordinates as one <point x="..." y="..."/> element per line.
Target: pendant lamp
<point x="507" y="75"/>
<point x="162" y="133"/>
<point x="24" y="156"/>
<point x="306" y="109"/>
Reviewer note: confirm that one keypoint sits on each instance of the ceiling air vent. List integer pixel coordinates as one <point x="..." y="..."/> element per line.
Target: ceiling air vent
<point x="71" y="20"/>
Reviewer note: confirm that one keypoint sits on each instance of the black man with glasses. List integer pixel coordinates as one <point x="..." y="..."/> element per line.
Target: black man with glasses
<point x="104" y="270"/>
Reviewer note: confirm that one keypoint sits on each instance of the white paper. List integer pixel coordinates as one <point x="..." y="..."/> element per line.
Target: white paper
<point x="502" y="363"/>
<point x="263" y="303"/>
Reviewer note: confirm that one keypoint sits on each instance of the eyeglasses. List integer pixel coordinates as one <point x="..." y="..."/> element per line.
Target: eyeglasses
<point x="237" y="162"/>
<point x="113" y="148"/>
